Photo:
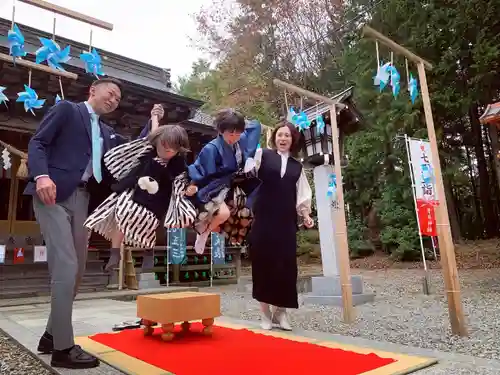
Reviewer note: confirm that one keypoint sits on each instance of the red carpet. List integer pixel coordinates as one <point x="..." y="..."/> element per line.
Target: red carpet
<point x="242" y="352"/>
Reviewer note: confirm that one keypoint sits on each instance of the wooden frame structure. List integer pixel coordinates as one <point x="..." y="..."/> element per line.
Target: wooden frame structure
<point x="69" y="13"/>
<point x="447" y="248"/>
<point x="340" y="229"/>
<point x="56" y="9"/>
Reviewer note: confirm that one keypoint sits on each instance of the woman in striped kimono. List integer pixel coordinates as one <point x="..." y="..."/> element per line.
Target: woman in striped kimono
<point x="151" y="176"/>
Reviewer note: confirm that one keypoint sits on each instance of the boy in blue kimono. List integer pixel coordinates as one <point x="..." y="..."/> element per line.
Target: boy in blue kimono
<point x="217" y="174"/>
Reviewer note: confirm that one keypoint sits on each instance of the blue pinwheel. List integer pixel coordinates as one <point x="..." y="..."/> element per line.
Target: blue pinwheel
<point x="92" y="62"/>
<point x="395" y="80"/>
<point x="52" y="53"/>
<point x="383" y="76"/>
<point x="58" y="98"/>
<point x="3" y="97"/>
<point x="302" y="121"/>
<point x="30" y="99"/>
<point x="332" y="186"/>
<point x="292" y="116"/>
<point x="320" y="125"/>
<point x="413" y="88"/>
<point x="16" y="43"/>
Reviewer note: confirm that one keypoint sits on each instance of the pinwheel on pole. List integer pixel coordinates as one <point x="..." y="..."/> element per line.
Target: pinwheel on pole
<point x="320" y="123"/>
<point x="52" y="53"/>
<point x="30" y="98"/>
<point x="92" y="60"/>
<point x="395" y="80"/>
<point x="15" y="39"/>
<point x="59" y="98"/>
<point x="412" y="84"/>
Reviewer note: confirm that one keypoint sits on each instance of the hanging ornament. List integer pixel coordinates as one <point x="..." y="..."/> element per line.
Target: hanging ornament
<point x="6" y="159"/>
<point x="320" y="123"/>
<point x="302" y="122"/>
<point x="3" y="97"/>
<point x="383" y="76"/>
<point x="292" y="116"/>
<point x="15" y="39"/>
<point x="92" y="62"/>
<point x="30" y="99"/>
<point x="332" y="187"/>
<point x="395" y="81"/>
<point x="52" y="53"/>
<point x="59" y="98"/>
<point x="413" y="88"/>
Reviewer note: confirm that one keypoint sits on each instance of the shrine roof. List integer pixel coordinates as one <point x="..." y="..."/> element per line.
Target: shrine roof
<point x="147" y="77"/>
<point x="491" y="114"/>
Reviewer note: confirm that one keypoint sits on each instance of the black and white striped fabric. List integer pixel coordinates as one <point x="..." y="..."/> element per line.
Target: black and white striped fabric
<point x="120" y="160"/>
<point x="181" y="212"/>
<point x="120" y="212"/>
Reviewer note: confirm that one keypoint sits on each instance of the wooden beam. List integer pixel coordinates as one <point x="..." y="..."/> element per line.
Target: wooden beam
<point x="44" y="68"/>
<point x="303" y="92"/>
<point x="374" y="34"/>
<point x="69" y="13"/>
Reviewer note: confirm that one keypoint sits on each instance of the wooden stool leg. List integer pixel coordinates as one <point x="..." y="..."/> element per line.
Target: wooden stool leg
<point x="185" y="326"/>
<point x="207" y="324"/>
<point x="168" y="330"/>
<point x="147" y="328"/>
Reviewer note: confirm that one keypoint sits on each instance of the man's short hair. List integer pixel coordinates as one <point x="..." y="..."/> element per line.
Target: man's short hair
<point x="114" y="81"/>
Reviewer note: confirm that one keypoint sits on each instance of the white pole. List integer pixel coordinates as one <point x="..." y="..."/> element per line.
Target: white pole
<point x="415" y="200"/>
<point x="434" y="247"/>
<point x="168" y="258"/>
<point x="211" y="261"/>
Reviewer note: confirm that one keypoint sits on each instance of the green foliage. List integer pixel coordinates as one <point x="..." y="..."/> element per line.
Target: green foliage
<point x="460" y="39"/>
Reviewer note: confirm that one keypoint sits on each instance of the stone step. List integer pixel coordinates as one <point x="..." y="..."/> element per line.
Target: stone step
<point x="44" y="291"/>
<point x="31" y="270"/>
<point x="41" y="286"/>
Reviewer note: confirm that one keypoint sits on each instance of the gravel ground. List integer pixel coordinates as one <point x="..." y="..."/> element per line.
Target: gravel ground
<point x="401" y="313"/>
<point x="16" y="360"/>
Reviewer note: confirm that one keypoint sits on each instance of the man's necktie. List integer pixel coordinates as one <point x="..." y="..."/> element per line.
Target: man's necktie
<point x="96" y="148"/>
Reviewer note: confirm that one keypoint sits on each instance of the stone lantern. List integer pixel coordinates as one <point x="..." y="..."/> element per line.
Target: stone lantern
<point x="318" y="154"/>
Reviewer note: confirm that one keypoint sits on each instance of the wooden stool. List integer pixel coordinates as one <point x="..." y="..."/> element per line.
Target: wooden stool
<point x="170" y="308"/>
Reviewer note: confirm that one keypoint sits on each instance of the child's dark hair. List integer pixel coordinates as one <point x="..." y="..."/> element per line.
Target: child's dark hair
<point x="229" y="120"/>
<point x="174" y="136"/>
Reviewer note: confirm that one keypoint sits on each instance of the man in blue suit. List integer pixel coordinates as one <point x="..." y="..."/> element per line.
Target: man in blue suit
<point x="64" y="162"/>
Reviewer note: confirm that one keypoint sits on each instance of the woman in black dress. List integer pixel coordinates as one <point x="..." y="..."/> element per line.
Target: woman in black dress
<point x="283" y="194"/>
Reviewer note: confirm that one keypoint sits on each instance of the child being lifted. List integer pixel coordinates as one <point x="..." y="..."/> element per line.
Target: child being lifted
<point x="218" y="170"/>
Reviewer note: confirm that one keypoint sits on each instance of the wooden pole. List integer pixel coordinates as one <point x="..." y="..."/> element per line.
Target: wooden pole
<point x="446" y="246"/>
<point x="340" y="229"/>
<point x="121" y="265"/>
<point x="69" y="13"/>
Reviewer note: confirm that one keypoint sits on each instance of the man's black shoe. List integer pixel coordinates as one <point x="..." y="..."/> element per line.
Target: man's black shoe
<point x="46" y="344"/>
<point x="73" y="358"/>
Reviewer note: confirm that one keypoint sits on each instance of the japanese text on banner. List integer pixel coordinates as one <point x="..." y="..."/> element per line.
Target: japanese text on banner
<point x="423" y="171"/>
